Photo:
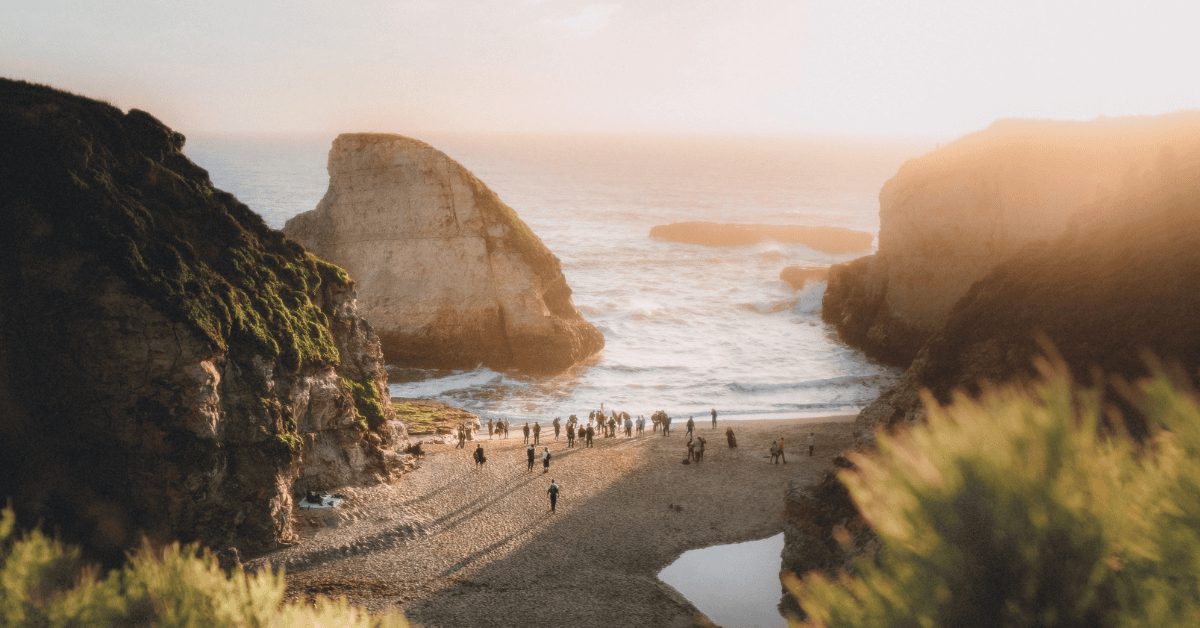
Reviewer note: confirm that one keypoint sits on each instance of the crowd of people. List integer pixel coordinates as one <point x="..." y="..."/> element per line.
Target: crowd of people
<point x="606" y="425"/>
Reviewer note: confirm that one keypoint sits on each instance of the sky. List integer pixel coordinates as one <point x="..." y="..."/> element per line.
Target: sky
<point x="860" y="67"/>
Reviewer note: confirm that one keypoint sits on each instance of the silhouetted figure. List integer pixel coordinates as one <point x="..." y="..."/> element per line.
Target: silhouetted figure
<point x="529" y="454"/>
<point x="553" y="493"/>
<point x="812" y="441"/>
<point x="479" y="457"/>
<point x="691" y="425"/>
<point x="557" y="427"/>
<point x="591" y="433"/>
<point x="489" y="429"/>
<point x="537" y="431"/>
<point x="526" y="432"/>
<point x="714" y="413"/>
<point x="570" y="434"/>
<point x="730" y="438"/>
<point x="780" y="444"/>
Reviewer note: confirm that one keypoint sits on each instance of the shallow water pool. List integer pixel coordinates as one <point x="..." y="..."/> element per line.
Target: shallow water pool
<point x="736" y="585"/>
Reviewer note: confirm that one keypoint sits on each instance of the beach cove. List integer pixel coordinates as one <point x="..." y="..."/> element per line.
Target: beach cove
<point x="452" y="545"/>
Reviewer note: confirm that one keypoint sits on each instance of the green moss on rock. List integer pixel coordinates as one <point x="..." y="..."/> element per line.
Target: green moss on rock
<point x="366" y="400"/>
<point x="117" y="185"/>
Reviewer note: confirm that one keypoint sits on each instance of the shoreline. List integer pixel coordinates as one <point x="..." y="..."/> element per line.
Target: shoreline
<point x="450" y="544"/>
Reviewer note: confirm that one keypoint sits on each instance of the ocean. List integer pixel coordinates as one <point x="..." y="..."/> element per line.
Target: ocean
<point x="687" y="328"/>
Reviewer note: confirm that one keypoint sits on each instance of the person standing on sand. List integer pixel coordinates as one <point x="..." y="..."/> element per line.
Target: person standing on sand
<point x="714" y="413"/>
<point x="537" y="431"/>
<point x="526" y="432"/>
<point x="553" y="493"/>
<point x="691" y="449"/>
<point x="462" y="436"/>
<point x="780" y="444"/>
<point x="489" y="429"/>
<point x="774" y="452"/>
<point x="691" y="425"/>
<point x="529" y="454"/>
<point x="479" y="457"/>
<point x="557" y="426"/>
<point x="545" y="460"/>
<point x="812" y="440"/>
<point x="591" y="433"/>
<point x="570" y="434"/>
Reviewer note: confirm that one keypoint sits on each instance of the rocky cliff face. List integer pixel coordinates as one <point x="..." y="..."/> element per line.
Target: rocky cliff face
<point x="1118" y="286"/>
<point x="169" y="365"/>
<point x="447" y="273"/>
<point x="948" y="218"/>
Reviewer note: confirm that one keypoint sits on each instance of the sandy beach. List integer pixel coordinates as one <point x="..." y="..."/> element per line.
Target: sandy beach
<point x="455" y="545"/>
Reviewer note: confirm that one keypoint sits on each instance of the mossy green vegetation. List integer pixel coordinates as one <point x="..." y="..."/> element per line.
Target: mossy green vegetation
<point x="45" y="583"/>
<point x="81" y="176"/>
<point x="1021" y="509"/>
<point x="366" y="400"/>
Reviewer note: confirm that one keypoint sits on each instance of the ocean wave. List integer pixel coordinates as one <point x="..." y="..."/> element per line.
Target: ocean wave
<point x="450" y="381"/>
<point x="871" y="382"/>
<point x="770" y="307"/>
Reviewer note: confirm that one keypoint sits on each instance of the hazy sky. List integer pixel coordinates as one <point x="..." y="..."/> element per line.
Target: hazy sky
<point x="725" y="66"/>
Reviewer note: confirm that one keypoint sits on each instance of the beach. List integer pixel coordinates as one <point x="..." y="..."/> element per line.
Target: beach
<point x="451" y="544"/>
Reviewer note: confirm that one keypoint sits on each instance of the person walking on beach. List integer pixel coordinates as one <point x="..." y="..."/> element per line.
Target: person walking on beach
<point x="489" y="429"/>
<point x="462" y="436"/>
<point x="537" y="431"/>
<point x="812" y="441"/>
<point x="691" y="449"/>
<point x="591" y="433"/>
<point x="570" y="434"/>
<point x="557" y="426"/>
<point x="553" y="493"/>
<point x="526" y="432"/>
<point x="774" y="452"/>
<point x="691" y="425"/>
<point x="714" y="413"/>
<point x="545" y="460"/>
<point x="780" y="444"/>
<point x="479" y="457"/>
<point x="529" y="454"/>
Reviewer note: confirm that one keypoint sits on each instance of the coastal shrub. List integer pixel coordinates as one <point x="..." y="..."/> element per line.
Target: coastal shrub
<point x="366" y="400"/>
<point x="45" y="583"/>
<point x="1019" y="509"/>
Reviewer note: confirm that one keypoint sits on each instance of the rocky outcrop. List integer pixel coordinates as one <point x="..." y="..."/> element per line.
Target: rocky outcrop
<point x="447" y="273"/>
<point x="822" y="531"/>
<point x="169" y="365"/>
<point x="834" y="240"/>
<point x="948" y="218"/>
<point x="1118" y="286"/>
<point x="800" y="276"/>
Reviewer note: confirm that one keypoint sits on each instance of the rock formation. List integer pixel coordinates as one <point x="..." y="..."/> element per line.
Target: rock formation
<point x="834" y="240"/>
<point x="799" y="276"/>
<point x="446" y="272"/>
<point x="169" y="365"/>
<point x="1118" y="286"/>
<point x="948" y="218"/>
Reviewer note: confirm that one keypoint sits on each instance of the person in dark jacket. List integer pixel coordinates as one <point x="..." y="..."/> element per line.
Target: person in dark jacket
<point x="529" y="454"/>
<point x="553" y="493"/>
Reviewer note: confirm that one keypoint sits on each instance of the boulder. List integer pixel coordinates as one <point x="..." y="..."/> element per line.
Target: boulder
<point x="447" y="274"/>
<point x="169" y="365"/>
<point x="835" y="240"/>
<point x="949" y="217"/>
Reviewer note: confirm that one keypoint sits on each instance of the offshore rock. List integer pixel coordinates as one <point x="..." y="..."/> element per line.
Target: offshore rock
<point x="949" y="217"/>
<point x="799" y="276"/>
<point x="1117" y="287"/>
<point x="834" y="240"/>
<point x="447" y="274"/>
<point x="169" y="365"/>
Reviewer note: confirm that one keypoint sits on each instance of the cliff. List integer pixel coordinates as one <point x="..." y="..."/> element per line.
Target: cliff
<point x="1119" y="285"/>
<point x="447" y="273"/>
<point x="948" y="218"/>
<point x="169" y="365"/>
<point x="834" y="240"/>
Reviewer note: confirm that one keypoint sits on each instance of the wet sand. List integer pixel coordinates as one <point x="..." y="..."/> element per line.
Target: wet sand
<point x="453" y="545"/>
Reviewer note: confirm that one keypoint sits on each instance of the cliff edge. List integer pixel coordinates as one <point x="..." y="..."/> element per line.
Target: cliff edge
<point x="169" y="365"/>
<point x="447" y="273"/>
<point x="950" y="217"/>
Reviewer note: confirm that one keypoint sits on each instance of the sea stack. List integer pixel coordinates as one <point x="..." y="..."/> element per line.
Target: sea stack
<point x="950" y="217"/>
<point x="447" y="274"/>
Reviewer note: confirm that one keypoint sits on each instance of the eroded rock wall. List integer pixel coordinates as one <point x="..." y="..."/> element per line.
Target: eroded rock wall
<point x="169" y="365"/>
<point x="948" y="218"/>
<point x="447" y="273"/>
